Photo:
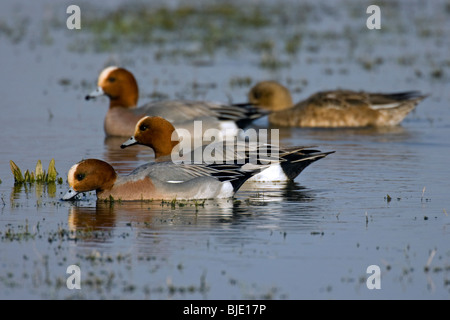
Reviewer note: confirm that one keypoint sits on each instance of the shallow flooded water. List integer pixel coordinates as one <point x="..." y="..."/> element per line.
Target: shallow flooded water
<point x="382" y="199"/>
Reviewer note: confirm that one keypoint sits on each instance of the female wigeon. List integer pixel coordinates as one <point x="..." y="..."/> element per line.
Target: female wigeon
<point x="121" y="87"/>
<point x="285" y="163"/>
<point x="332" y="109"/>
<point x="157" y="181"/>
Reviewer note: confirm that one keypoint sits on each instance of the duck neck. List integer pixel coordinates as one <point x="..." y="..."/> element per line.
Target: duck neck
<point x="165" y="150"/>
<point x="283" y="102"/>
<point x="124" y="101"/>
<point x="109" y="179"/>
<point x="106" y="182"/>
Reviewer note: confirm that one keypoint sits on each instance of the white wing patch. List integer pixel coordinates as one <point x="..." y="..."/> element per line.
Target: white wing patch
<point x="384" y="106"/>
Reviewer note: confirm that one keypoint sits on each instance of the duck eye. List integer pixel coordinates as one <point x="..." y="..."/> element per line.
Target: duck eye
<point x="80" y="176"/>
<point x="143" y="127"/>
<point x="257" y="94"/>
<point x="111" y="79"/>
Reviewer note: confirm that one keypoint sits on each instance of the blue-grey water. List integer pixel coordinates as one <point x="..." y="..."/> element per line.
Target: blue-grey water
<point x="382" y="199"/>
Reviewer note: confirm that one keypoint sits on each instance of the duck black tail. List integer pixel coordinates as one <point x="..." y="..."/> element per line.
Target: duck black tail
<point x="296" y="162"/>
<point x="234" y="173"/>
<point x="243" y="114"/>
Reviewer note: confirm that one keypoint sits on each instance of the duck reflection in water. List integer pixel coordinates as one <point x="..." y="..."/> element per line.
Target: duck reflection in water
<point x="153" y="215"/>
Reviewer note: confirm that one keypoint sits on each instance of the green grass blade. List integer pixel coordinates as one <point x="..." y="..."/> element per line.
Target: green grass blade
<point x="16" y="172"/>
<point x="39" y="171"/>
<point x="51" y="173"/>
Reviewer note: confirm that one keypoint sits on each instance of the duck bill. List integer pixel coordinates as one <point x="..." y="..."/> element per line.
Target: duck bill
<point x="130" y="142"/>
<point x="96" y="93"/>
<point x="70" y="194"/>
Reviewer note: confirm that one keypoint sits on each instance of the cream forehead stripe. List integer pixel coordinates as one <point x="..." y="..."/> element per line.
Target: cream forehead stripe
<point x="71" y="175"/>
<point x="140" y="121"/>
<point x="104" y="74"/>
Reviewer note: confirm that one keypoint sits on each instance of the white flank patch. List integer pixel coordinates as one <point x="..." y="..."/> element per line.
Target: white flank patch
<point x="273" y="173"/>
<point x="229" y="129"/>
<point x="226" y="190"/>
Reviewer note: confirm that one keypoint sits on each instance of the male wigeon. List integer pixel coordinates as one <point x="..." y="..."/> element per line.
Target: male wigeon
<point x="121" y="87"/>
<point x="285" y="163"/>
<point x="157" y="181"/>
<point x="333" y="109"/>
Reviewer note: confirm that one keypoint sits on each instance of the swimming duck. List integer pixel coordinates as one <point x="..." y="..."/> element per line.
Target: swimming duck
<point x="285" y="163"/>
<point x="121" y="87"/>
<point x="156" y="181"/>
<point x="333" y="109"/>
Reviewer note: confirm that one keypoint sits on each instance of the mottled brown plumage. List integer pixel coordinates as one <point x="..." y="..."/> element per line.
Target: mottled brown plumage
<point x="332" y="109"/>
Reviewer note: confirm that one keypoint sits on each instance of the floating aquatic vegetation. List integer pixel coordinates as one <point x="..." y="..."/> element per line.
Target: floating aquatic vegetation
<point x="14" y="30"/>
<point x="271" y="62"/>
<point x="210" y="25"/>
<point x="22" y="234"/>
<point x="240" y="82"/>
<point x="388" y="198"/>
<point x="293" y="44"/>
<point x="39" y="175"/>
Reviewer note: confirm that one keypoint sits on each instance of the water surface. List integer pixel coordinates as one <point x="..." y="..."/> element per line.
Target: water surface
<point x="381" y="199"/>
